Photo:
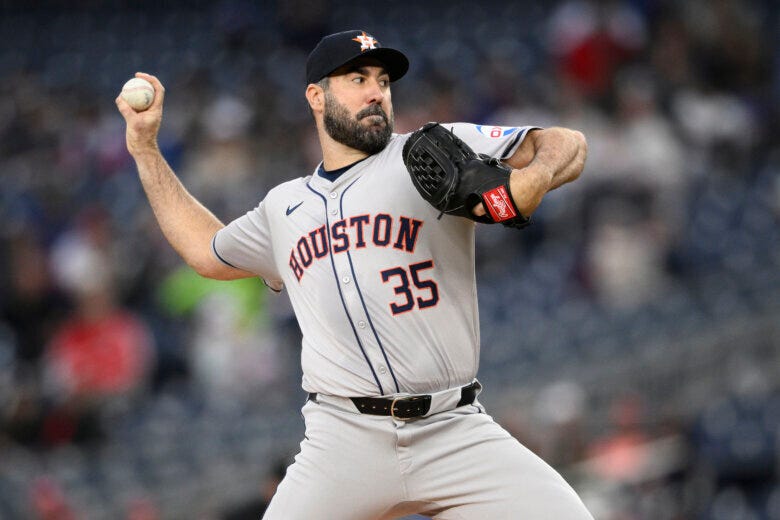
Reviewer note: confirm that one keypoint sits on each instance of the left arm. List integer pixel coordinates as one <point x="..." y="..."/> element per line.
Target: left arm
<point x="545" y="160"/>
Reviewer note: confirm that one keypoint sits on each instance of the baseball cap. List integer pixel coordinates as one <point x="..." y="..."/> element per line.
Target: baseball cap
<point x="340" y="48"/>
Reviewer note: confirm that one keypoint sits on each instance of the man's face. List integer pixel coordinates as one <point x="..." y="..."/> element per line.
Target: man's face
<point x="358" y="111"/>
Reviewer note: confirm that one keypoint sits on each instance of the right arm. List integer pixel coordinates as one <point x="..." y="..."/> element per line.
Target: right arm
<point x="186" y="223"/>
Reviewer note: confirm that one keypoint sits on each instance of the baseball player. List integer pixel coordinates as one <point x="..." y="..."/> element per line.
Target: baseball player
<point x="383" y="286"/>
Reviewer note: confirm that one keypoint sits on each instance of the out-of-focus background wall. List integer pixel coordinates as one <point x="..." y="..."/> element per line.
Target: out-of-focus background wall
<point x="631" y="336"/>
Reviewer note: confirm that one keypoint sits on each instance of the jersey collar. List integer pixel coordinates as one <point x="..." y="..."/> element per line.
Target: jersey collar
<point x="332" y="175"/>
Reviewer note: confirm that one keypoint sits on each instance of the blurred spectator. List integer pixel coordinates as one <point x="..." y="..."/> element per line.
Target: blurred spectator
<point x="225" y="171"/>
<point x="99" y="354"/>
<point x="715" y="147"/>
<point x="621" y="454"/>
<point x="592" y="40"/>
<point x="559" y="409"/>
<point x="729" y="44"/>
<point x="22" y="410"/>
<point x="636" y="200"/>
<point x="33" y="304"/>
<point x="231" y="349"/>
<point x="652" y="158"/>
<point x="625" y="260"/>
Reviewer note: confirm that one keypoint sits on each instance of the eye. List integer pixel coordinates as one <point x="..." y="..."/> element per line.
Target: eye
<point x="357" y="79"/>
<point x="384" y="82"/>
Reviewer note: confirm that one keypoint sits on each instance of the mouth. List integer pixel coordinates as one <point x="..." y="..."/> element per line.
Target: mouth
<point x="376" y="119"/>
<point x="374" y="112"/>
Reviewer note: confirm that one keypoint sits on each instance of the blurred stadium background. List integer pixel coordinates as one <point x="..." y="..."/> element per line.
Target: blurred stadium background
<point x="631" y="336"/>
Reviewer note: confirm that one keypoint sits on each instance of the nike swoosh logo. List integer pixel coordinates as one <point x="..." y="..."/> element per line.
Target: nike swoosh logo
<point x="290" y="209"/>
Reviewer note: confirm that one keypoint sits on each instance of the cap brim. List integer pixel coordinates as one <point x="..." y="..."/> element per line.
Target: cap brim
<point x="395" y="62"/>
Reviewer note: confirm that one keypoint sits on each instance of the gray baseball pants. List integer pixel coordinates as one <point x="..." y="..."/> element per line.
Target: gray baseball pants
<point x="454" y="465"/>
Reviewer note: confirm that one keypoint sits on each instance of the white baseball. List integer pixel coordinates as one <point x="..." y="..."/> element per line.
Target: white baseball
<point x="138" y="93"/>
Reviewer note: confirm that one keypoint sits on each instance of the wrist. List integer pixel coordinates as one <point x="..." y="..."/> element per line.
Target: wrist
<point x="528" y="186"/>
<point x="146" y="151"/>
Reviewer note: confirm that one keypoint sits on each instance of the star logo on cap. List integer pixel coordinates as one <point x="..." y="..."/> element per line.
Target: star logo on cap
<point x="366" y="42"/>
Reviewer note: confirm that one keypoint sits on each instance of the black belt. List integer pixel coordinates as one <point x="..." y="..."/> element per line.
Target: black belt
<point x="406" y="407"/>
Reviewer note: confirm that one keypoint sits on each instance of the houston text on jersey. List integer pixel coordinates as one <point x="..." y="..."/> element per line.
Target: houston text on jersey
<point x="381" y="230"/>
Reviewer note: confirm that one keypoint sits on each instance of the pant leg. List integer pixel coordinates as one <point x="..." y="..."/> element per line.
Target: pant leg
<point x="472" y="469"/>
<point x="346" y="469"/>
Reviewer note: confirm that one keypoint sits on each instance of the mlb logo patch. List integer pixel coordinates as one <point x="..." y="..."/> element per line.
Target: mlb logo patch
<point x="496" y="131"/>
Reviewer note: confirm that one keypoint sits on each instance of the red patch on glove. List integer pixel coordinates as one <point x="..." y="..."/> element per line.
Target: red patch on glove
<point x="499" y="204"/>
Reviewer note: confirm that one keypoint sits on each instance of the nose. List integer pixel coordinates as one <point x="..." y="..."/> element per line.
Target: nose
<point x="374" y="92"/>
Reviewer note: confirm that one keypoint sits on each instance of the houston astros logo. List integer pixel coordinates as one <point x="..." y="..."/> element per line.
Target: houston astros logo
<point x="366" y="42"/>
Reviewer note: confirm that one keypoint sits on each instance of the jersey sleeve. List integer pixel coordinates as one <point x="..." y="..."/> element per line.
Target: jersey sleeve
<point x="495" y="141"/>
<point x="246" y="244"/>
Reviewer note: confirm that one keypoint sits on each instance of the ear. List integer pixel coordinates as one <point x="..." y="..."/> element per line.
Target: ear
<point x="315" y="95"/>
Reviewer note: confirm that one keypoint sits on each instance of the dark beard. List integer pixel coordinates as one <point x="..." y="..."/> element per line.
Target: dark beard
<point x="350" y="132"/>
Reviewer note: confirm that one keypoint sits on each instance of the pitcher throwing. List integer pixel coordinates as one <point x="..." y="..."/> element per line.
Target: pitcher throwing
<point x="384" y="289"/>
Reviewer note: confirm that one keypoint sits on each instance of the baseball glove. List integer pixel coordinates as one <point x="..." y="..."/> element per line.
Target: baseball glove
<point x="454" y="179"/>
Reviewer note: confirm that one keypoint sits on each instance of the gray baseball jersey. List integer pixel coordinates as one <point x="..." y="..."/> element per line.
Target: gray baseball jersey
<point x="385" y="295"/>
<point x="384" y="292"/>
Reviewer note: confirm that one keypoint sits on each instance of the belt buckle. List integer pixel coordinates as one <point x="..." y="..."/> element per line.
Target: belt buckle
<point x="407" y="398"/>
<point x="392" y="408"/>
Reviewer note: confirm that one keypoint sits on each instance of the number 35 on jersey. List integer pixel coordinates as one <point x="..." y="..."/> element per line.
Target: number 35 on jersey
<point x="413" y="287"/>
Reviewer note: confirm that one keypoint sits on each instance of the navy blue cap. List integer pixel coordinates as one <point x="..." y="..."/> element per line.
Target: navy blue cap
<point x="338" y="49"/>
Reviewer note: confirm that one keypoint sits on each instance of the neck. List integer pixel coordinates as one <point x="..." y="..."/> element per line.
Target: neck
<point x="336" y="155"/>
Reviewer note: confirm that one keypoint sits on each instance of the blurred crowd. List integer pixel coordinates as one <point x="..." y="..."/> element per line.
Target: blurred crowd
<point x="107" y="339"/>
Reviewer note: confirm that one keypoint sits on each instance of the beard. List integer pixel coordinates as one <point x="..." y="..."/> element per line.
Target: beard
<point x="352" y="132"/>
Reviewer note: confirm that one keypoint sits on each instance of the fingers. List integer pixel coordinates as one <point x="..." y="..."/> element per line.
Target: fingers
<point x="142" y="127"/>
<point x="479" y="210"/>
<point x="159" y="90"/>
<point x="124" y="109"/>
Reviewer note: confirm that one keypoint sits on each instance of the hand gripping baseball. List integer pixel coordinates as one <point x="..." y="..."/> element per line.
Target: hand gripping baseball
<point x="142" y="127"/>
<point x="454" y="179"/>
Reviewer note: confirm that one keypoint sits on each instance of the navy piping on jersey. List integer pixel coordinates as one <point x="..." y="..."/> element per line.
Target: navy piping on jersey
<point x="214" y="248"/>
<point x="343" y="303"/>
<point x="219" y="257"/>
<point x="514" y="141"/>
<point x="360" y="293"/>
<point x="277" y="291"/>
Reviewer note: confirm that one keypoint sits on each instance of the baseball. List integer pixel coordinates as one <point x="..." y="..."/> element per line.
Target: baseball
<point x="138" y="93"/>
